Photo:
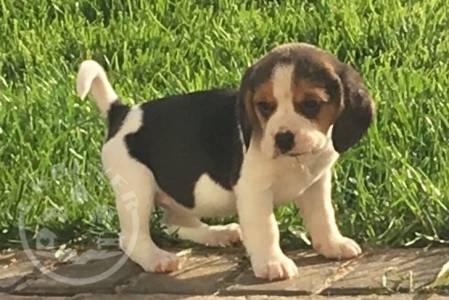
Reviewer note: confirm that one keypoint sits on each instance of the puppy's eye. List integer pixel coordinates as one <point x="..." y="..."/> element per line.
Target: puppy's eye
<point x="310" y="108"/>
<point x="265" y="108"/>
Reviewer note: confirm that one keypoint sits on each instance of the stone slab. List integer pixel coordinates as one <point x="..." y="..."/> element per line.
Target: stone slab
<point x="187" y="297"/>
<point x="14" y="266"/>
<point x="153" y="297"/>
<point x="364" y="297"/>
<point x="226" y="272"/>
<point x="44" y="285"/>
<point x="379" y="271"/>
<point x="201" y="274"/>
<point x="11" y="276"/>
<point x="22" y="297"/>
<point x="391" y="270"/>
<point x="314" y="273"/>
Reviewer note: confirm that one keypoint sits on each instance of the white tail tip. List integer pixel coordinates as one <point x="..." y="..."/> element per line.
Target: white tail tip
<point x="92" y="78"/>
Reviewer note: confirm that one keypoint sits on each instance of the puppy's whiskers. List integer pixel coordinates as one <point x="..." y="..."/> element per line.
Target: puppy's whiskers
<point x="297" y="164"/>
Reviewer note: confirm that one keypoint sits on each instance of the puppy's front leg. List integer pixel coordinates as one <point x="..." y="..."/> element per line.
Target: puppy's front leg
<point x="261" y="234"/>
<point x="315" y="205"/>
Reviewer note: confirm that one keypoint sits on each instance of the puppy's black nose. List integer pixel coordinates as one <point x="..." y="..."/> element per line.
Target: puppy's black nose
<point x="284" y="141"/>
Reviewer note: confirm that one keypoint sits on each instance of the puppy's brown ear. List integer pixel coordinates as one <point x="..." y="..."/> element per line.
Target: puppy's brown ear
<point x="357" y="113"/>
<point x="246" y="114"/>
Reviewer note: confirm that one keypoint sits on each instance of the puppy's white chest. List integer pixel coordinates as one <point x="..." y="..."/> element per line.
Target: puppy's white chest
<point x="293" y="176"/>
<point x="290" y="181"/>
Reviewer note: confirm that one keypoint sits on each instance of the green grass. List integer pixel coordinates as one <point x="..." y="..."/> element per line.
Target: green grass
<point x="392" y="189"/>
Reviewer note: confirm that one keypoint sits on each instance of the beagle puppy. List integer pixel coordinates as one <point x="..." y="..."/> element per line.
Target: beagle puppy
<point x="217" y="152"/>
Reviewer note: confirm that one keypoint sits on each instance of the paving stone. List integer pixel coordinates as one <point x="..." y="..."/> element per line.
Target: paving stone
<point x="363" y="297"/>
<point x="44" y="285"/>
<point x="127" y="297"/>
<point x="314" y="272"/>
<point x="225" y="272"/>
<point x="210" y="297"/>
<point x="391" y="270"/>
<point x="14" y="266"/>
<point x="14" y="274"/>
<point x="21" y="297"/>
<point x="200" y="275"/>
<point x="152" y="297"/>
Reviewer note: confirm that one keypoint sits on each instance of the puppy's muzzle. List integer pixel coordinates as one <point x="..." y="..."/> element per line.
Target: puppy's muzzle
<point x="285" y="141"/>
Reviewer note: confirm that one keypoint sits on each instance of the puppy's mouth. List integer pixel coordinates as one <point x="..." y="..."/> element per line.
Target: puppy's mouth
<point x="277" y="154"/>
<point x="297" y="155"/>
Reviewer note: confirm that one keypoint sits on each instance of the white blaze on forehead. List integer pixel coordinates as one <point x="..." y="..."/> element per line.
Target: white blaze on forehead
<point x="293" y="46"/>
<point x="282" y="83"/>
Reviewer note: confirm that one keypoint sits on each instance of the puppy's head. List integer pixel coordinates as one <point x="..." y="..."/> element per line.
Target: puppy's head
<point x="297" y="96"/>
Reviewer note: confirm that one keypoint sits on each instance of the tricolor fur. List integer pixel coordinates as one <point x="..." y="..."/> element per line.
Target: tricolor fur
<point x="217" y="152"/>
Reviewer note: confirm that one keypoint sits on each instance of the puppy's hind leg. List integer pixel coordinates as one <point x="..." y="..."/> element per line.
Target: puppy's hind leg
<point x="209" y="235"/>
<point x="191" y="228"/>
<point x="133" y="182"/>
<point x="135" y="188"/>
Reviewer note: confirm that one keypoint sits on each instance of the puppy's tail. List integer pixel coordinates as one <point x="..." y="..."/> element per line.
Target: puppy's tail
<point x="92" y="77"/>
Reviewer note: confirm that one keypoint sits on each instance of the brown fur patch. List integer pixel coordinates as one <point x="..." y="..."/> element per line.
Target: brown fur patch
<point x="330" y="108"/>
<point x="250" y="110"/>
<point x="304" y="89"/>
<point x="319" y="74"/>
<point x="327" y="115"/>
<point x="264" y="92"/>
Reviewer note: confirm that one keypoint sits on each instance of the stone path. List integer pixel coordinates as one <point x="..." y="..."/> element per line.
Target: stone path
<point x="206" y="274"/>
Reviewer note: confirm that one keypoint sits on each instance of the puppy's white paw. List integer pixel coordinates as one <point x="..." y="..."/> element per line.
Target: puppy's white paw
<point x="148" y="256"/>
<point x="338" y="247"/>
<point x="223" y="235"/>
<point x="158" y="261"/>
<point x="274" y="267"/>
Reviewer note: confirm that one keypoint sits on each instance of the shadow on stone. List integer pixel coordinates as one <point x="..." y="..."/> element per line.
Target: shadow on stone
<point x="314" y="271"/>
<point x="201" y="275"/>
<point x="44" y="285"/>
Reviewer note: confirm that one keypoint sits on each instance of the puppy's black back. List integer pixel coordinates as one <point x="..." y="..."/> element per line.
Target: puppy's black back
<point x="183" y="137"/>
